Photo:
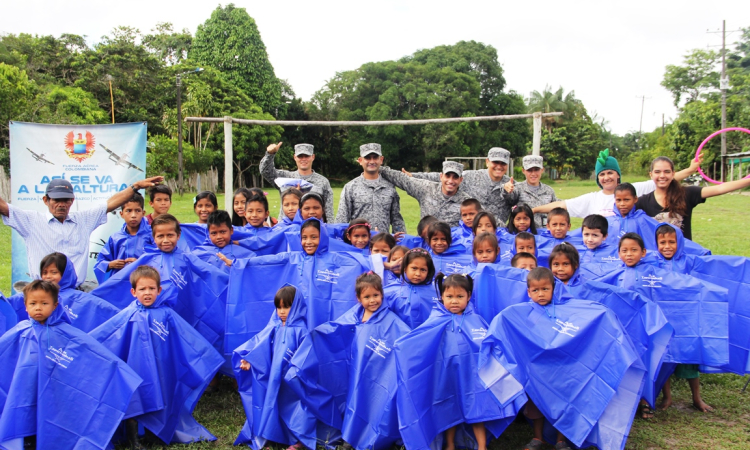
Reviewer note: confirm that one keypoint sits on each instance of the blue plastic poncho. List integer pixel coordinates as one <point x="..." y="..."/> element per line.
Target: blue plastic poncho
<point x="411" y="242"/>
<point x="326" y="279"/>
<point x="208" y="253"/>
<point x="456" y="259"/>
<point x="574" y="361"/>
<point x="643" y="320"/>
<point x="192" y="235"/>
<point x="345" y="373"/>
<point x="261" y="240"/>
<point x="272" y="409"/>
<point x="438" y="383"/>
<point x="175" y="362"/>
<point x="122" y="245"/>
<point x="463" y="235"/>
<point x="412" y="303"/>
<point x="697" y="310"/>
<point x="8" y="318"/>
<point x="606" y="253"/>
<point x="193" y="288"/>
<point x="545" y="243"/>
<point x="60" y="384"/>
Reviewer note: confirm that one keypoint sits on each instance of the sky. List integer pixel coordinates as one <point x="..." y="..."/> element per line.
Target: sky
<point x="612" y="54"/>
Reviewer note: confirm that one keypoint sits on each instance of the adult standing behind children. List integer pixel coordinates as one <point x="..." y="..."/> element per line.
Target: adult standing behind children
<point x="59" y="230"/>
<point x="371" y="197"/>
<point x="532" y="191"/>
<point x="486" y="186"/>
<point x="440" y="199"/>
<point x="304" y="157"/>
<point x="607" y="178"/>
<point x="674" y="203"/>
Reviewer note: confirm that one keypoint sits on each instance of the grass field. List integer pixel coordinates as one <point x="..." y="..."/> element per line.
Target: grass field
<point x="720" y="224"/>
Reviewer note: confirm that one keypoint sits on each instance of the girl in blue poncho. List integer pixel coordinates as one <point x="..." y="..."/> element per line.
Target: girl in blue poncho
<point x="447" y="256"/>
<point x="414" y="297"/>
<point x="204" y="204"/>
<point x="289" y="206"/>
<point x="521" y="219"/>
<point x="393" y="268"/>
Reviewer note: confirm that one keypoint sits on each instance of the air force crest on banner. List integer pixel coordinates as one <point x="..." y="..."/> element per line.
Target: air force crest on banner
<point x="79" y="148"/>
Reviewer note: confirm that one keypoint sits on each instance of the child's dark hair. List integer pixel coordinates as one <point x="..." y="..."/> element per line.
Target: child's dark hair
<point x="596" y="222"/>
<point x="159" y="189"/>
<point x="397" y="248"/>
<point x="238" y="220"/>
<point x="58" y="259"/>
<point x="558" y="212"/>
<point x="439" y="227"/>
<point x="354" y="223"/>
<point x="40" y="285"/>
<point x="389" y="240"/>
<point x="425" y="223"/>
<point x="626" y="187"/>
<point x="260" y="198"/>
<point x="165" y="219"/>
<point x="206" y="194"/>
<point x="219" y="217"/>
<point x="292" y="191"/>
<point x="136" y="198"/>
<point x="144" y="272"/>
<point x="539" y="274"/>
<point x="417" y="253"/>
<point x="368" y="279"/>
<point x="478" y="217"/>
<point x="284" y="297"/>
<point x="311" y="222"/>
<point x="665" y="229"/>
<point x="471" y="202"/>
<point x="519" y="256"/>
<point x="485" y="238"/>
<point x="518" y="209"/>
<point x="314" y="196"/>
<point x="443" y="282"/>
<point x="565" y="249"/>
<point x="524" y="236"/>
<point x="632" y="236"/>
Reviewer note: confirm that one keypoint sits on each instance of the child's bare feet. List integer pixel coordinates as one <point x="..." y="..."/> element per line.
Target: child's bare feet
<point x="702" y="406"/>
<point x="665" y="403"/>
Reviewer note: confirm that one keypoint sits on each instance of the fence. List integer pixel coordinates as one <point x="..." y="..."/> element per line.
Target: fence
<point x="4" y="184"/>
<point x="197" y="182"/>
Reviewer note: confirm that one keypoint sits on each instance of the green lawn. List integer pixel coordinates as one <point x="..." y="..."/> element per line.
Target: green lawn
<point x="720" y="224"/>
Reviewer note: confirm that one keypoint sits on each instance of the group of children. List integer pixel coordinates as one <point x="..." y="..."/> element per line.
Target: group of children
<point x="338" y="332"/>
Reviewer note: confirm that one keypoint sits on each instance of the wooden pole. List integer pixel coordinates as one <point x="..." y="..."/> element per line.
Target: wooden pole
<point x="228" y="161"/>
<point x="112" y="101"/>
<point x="537" y="139"/>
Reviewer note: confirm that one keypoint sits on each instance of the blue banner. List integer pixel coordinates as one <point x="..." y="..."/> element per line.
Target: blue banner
<point x="98" y="160"/>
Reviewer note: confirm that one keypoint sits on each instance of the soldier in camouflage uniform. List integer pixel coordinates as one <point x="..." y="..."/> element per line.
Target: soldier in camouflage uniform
<point x="439" y="199"/>
<point x="532" y="191"/>
<point x="486" y="185"/>
<point x="370" y="197"/>
<point x="304" y="157"/>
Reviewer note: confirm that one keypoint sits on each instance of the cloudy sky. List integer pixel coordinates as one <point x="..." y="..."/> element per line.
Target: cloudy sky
<point x="610" y="53"/>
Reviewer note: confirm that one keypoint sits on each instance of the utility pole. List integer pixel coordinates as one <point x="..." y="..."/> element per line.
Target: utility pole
<point x="723" y="84"/>
<point x="640" y="127"/>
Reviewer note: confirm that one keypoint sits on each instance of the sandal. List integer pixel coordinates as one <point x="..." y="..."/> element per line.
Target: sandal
<point x="535" y="444"/>
<point x="646" y="412"/>
<point x="562" y="445"/>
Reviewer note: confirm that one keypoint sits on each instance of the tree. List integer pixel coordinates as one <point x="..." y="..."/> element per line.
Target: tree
<point x="548" y="101"/>
<point x="15" y="92"/>
<point x="696" y="76"/>
<point x="168" y="46"/>
<point x="230" y="42"/>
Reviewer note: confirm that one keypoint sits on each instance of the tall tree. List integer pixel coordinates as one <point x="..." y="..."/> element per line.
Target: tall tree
<point x="230" y="42"/>
<point x="15" y="92"/>
<point x="548" y="101"/>
<point x="695" y="77"/>
<point x="169" y="46"/>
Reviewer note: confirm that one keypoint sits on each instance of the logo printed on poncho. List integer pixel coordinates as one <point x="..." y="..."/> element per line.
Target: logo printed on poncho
<point x="69" y="311"/>
<point x="328" y="276"/>
<point x="159" y="329"/>
<point x="610" y="259"/>
<point x="379" y="347"/>
<point x="59" y="357"/>
<point x="288" y="353"/>
<point x="477" y="334"/>
<point x="454" y="267"/>
<point x="652" y="281"/>
<point x="178" y="279"/>
<point x="565" y="328"/>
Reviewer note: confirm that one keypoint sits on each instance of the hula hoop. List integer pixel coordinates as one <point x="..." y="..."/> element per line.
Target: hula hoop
<point x="705" y="141"/>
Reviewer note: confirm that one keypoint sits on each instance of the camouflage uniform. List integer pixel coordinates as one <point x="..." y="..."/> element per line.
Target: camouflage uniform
<point x="321" y="186"/>
<point x="374" y="200"/>
<point x="429" y="194"/>
<point x="480" y="186"/>
<point x="523" y="193"/>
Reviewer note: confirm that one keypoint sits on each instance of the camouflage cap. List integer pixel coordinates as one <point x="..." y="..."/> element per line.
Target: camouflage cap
<point x="453" y="166"/>
<point x="530" y="161"/>
<point x="303" y="149"/>
<point x="498" y="154"/>
<point x="367" y="149"/>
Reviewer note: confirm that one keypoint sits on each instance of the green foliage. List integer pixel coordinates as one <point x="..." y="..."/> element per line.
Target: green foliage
<point x="548" y="101"/>
<point x="230" y="42"/>
<point x="161" y="158"/>
<point x="696" y="76"/>
<point x="63" y="104"/>
<point x="168" y="46"/>
<point x="15" y="93"/>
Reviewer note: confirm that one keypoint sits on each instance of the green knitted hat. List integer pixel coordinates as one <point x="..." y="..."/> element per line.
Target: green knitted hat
<point x="606" y="162"/>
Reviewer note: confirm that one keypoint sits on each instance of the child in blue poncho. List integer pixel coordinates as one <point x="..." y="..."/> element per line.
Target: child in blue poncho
<point x="392" y="265"/>
<point x="448" y="257"/>
<point x="595" y="248"/>
<point x="521" y="220"/>
<point x="345" y="370"/>
<point x="464" y="232"/>
<point x="60" y="388"/>
<point x="413" y="298"/>
<point x="557" y="232"/>
<point x="220" y="251"/>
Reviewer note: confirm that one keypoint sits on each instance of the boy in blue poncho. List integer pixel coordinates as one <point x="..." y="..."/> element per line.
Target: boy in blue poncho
<point x="255" y="236"/>
<point x="126" y="245"/>
<point x="221" y="252"/>
<point x="575" y="362"/>
<point x="464" y="232"/>
<point x="273" y="411"/>
<point x="345" y="370"/>
<point x="558" y="226"/>
<point x="485" y="249"/>
<point x="448" y="257"/>
<point x="523" y="260"/>
<point x="439" y="388"/>
<point x="523" y="242"/>
<point x="420" y="240"/>
<point x="59" y="387"/>
<point x="413" y="296"/>
<point x="175" y="362"/>
<point x="595" y="248"/>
